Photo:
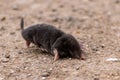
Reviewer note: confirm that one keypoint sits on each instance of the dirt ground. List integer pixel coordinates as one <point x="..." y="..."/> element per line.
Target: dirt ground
<point x="94" y="23"/>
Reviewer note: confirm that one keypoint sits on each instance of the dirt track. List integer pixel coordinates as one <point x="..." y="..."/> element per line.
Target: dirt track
<point x="94" y="23"/>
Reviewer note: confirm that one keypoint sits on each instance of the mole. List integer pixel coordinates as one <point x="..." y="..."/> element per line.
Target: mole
<point x="56" y="42"/>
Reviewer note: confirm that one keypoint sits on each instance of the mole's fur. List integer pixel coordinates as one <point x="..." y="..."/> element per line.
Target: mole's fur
<point x="55" y="41"/>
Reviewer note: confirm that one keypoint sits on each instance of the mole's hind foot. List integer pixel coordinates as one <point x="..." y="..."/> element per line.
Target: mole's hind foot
<point x="27" y="44"/>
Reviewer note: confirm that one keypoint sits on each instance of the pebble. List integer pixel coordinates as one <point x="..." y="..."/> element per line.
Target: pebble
<point x="94" y="49"/>
<point x="113" y="59"/>
<point x="19" y="52"/>
<point x="54" y="10"/>
<point x="102" y="46"/>
<point x="7" y="56"/>
<point x="3" y="18"/>
<point x="5" y="60"/>
<point x="12" y="33"/>
<point x="50" y="69"/>
<point x="29" y="74"/>
<point x="12" y="71"/>
<point x="55" y="19"/>
<point x="77" y="68"/>
<point x="70" y="19"/>
<point x="15" y="7"/>
<point x="45" y="74"/>
<point x="44" y="58"/>
<point x="43" y="78"/>
<point x="98" y="52"/>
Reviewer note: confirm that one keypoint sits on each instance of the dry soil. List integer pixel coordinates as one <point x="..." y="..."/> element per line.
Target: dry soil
<point x="94" y="23"/>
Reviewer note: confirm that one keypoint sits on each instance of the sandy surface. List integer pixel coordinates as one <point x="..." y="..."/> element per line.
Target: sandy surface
<point x="94" y="23"/>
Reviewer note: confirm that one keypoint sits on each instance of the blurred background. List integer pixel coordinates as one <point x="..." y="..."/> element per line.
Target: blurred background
<point x="94" y="23"/>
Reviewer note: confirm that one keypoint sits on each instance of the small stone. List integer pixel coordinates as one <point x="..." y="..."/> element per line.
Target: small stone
<point x="3" y="18"/>
<point x="44" y="58"/>
<point x="45" y="74"/>
<point x="77" y="68"/>
<point x="15" y="7"/>
<point x="55" y="19"/>
<point x="113" y="59"/>
<point x="7" y="56"/>
<point x="19" y="52"/>
<point x="43" y="78"/>
<point x="29" y="75"/>
<point x="50" y="69"/>
<point x="54" y="10"/>
<point x="12" y="33"/>
<point x="5" y="60"/>
<point x="12" y="71"/>
<point x="98" y="52"/>
<point x="102" y="46"/>
<point x="94" y="49"/>
<point x="70" y="19"/>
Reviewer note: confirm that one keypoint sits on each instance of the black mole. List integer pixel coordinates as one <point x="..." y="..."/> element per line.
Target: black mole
<point x="55" y="41"/>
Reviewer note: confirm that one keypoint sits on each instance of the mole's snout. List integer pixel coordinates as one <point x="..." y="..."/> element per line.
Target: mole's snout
<point x="56" y="54"/>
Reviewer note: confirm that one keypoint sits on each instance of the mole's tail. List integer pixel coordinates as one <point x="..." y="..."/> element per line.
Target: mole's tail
<point x="22" y="24"/>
